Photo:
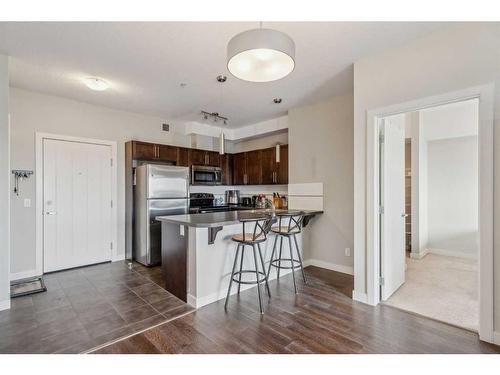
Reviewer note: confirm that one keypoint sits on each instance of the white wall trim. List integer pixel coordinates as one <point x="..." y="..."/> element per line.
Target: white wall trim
<point x="419" y="255"/>
<point x="496" y="338"/>
<point x="5" y="305"/>
<point x="486" y="95"/>
<point x="23" y="275"/>
<point x="39" y="137"/>
<point x="452" y="253"/>
<point x="360" y="297"/>
<point x="349" y="270"/>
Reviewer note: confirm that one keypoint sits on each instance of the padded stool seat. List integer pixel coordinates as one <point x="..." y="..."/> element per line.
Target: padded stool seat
<point x="248" y="238"/>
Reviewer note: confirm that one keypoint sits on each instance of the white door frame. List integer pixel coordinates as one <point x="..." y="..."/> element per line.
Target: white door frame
<point x="485" y="94"/>
<point x="39" y="138"/>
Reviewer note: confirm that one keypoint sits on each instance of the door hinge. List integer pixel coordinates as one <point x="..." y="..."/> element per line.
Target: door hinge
<point x="111" y="245"/>
<point x="381" y="281"/>
<point x="381" y="210"/>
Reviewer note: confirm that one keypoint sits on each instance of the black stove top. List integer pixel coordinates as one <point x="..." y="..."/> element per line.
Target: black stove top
<point x="205" y="202"/>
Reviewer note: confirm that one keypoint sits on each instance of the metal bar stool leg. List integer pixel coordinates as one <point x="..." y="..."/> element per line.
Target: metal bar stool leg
<point x="292" y="264"/>
<point x="232" y="275"/>
<point x="258" y="278"/>
<point x="264" y="270"/>
<point x="279" y="262"/>
<point x="300" y="259"/>
<point x="272" y="257"/>
<point x="241" y="266"/>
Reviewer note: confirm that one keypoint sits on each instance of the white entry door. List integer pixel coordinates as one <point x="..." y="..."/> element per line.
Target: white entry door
<point x="76" y="204"/>
<point x="392" y="223"/>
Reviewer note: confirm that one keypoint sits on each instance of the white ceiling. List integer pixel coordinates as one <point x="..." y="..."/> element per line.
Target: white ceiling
<point x="146" y="62"/>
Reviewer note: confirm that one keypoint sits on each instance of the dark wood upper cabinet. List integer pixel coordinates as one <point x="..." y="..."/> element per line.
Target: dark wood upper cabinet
<point x="166" y="153"/>
<point x="143" y="151"/>
<point x="283" y="165"/>
<point x="244" y="168"/>
<point x="268" y="166"/>
<point x="213" y="158"/>
<point x="197" y="157"/>
<point x="253" y="167"/>
<point x="239" y="168"/>
<point x="182" y="157"/>
<point x="226" y="163"/>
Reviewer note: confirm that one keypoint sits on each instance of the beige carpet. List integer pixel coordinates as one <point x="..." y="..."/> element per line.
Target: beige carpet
<point x="441" y="287"/>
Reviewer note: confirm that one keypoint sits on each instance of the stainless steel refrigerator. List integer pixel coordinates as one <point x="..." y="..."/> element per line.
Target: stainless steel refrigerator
<point x="160" y="190"/>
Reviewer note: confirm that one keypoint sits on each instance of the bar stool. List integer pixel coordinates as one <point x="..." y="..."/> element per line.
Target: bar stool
<point x="288" y="230"/>
<point x="261" y="229"/>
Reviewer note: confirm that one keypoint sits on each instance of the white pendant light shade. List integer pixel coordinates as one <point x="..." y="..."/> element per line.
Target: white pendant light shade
<point x="261" y="55"/>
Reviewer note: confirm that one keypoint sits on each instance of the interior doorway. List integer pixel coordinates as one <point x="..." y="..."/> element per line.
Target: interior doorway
<point x="429" y="212"/>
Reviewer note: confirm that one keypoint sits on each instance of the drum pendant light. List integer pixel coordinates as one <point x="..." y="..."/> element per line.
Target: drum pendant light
<point x="261" y="55"/>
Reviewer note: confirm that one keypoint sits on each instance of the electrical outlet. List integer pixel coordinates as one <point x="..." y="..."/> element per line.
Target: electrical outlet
<point x="27" y="202"/>
<point x="347" y="252"/>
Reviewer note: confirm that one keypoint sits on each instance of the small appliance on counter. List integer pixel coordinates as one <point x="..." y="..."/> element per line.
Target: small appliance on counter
<point x="232" y="197"/>
<point x="246" y="202"/>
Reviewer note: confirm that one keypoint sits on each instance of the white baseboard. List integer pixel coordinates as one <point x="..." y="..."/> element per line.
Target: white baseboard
<point x="23" y="275"/>
<point x="5" y="305"/>
<point x="117" y="258"/>
<point x="496" y="338"/>
<point x="451" y="253"/>
<point x="198" y="302"/>
<point x="360" y="297"/>
<point x="329" y="266"/>
<point x="419" y="255"/>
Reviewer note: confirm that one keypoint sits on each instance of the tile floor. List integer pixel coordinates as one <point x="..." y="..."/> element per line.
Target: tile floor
<point x="87" y="307"/>
<point x="441" y="287"/>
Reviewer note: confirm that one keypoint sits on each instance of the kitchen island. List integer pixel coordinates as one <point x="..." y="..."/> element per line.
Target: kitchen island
<point x="198" y="253"/>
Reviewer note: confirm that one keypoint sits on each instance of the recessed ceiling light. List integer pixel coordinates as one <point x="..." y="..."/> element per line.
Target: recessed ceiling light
<point x="95" y="83"/>
<point x="183" y="84"/>
<point x="277" y="100"/>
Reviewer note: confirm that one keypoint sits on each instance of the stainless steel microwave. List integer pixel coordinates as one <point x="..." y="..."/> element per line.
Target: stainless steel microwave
<point x="205" y="175"/>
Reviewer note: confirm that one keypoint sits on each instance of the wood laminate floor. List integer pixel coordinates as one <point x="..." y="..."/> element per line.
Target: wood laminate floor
<point x="321" y="318"/>
<point x="87" y="307"/>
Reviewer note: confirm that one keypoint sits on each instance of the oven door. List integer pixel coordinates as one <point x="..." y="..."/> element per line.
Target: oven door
<point x="201" y="175"/>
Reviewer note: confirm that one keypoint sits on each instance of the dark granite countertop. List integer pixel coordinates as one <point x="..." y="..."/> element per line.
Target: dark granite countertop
<point x="219" y="219"/>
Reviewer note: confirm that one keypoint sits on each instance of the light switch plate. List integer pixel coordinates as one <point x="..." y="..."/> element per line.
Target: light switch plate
<point x="347" y="252"/>
<point x="27" y="202"/>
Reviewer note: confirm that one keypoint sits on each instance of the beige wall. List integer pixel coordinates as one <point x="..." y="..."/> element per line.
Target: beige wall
<point x="4" y="183"/>
<point x="32" y="112"/>
<point x="458" y="58"/>
<point x="261" y="142"/>
<point x="321" y="150"/>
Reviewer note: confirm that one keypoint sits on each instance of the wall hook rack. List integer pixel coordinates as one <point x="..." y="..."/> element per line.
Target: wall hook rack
<point x="19" y="175"/>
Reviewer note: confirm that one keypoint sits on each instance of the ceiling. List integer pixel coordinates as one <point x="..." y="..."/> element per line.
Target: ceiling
<point x="147" y="62"/>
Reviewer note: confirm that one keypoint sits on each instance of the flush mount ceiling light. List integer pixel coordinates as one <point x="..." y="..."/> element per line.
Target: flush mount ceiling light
<point x="261" y="55"/>
<point x="95" y="83"/>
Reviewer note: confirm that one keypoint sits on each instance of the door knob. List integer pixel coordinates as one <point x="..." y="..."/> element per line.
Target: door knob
<point x="50" y="212"/>
<point x="405" y="215"/>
